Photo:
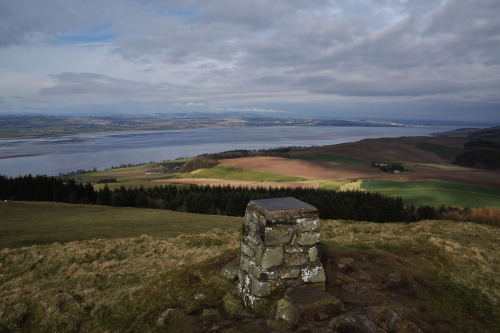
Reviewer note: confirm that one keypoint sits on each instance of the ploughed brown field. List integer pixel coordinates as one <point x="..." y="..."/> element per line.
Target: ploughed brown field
<point x="422" y="165"/>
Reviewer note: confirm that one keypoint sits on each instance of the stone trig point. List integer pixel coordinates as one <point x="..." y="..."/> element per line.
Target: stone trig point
<point x="279" y="250"/>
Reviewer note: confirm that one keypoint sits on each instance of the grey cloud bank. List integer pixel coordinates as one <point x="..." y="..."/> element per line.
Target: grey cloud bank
<point x="356" y="59"/>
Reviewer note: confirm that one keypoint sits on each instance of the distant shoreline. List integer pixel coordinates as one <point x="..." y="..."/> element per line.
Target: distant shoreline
<point x="52" y="135"/>
<point x="16" y="156"/>
<point x="42" y="126"/>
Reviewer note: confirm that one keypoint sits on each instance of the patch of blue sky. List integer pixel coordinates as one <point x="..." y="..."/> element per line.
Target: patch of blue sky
<point x="95" y="34"/>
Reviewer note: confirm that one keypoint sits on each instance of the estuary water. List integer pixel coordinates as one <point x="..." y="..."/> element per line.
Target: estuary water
<point x="54" y="155"/>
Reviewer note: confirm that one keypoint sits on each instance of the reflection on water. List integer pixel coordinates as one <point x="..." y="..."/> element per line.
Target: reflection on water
<point x="87" y="151"/>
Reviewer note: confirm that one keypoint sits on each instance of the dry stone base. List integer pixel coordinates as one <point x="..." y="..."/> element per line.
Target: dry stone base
<point x="279" y="249"/>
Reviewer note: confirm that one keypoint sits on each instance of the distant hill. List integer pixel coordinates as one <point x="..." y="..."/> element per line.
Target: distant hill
<point x="457" y="132"/>
<point x="483" y="150"/>
<point x="491" y="132"/>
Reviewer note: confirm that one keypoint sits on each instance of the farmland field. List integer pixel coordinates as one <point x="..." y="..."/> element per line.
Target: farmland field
<point x="332" y="158"/>
<point x="436" y="193"/>
<point x="233" y="173"/>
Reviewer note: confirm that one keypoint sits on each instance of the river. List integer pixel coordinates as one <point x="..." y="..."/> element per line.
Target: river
<point x="54" y="155"/>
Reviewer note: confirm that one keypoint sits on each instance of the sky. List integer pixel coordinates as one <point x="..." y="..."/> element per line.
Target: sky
<point x="339" y="59"/>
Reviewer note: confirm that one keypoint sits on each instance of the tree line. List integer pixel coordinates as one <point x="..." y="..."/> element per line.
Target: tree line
<point x="225" y="200"/>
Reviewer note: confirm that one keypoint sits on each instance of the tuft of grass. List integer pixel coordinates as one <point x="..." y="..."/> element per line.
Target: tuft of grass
<point x="232" y="173"/>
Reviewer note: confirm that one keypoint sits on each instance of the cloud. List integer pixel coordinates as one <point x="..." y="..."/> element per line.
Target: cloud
<point x="233" y="53"/>
<point x="98" y="84"/>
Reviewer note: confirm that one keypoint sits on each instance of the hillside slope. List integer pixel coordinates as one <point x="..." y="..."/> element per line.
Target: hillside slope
<point x="427" y="276"/>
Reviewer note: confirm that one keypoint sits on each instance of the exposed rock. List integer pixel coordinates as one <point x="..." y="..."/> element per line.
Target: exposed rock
<point x="169" y="315"/>
<point x="395" y="277"/>
<point x="313" y="274"/>
<point x="230" y="271"/>
<point x="391" y="319"/>
<point x="355" y="323"/>
<point x="210" y="313"/>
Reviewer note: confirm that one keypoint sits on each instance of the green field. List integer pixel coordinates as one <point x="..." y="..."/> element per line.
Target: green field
<point x="436" y="193"/>
<point x="130" y="180"/>
<point x="28" y="223"/>
<point x="231" y="173"/>
<point x="332" y="158"/>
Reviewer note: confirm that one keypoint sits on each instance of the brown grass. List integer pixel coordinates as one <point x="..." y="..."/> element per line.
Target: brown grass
<point x="467" y="253"/>
<point x="94" y="285"/>
<point x="126" y="284"/>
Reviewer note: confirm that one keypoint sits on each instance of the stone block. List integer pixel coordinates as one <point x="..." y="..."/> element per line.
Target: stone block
<point x="289" y="272"/>
<point x="269" y="257"/>
<point x="245" y="263"/>
<point x="263" y="274"/>
<point x="296" y="259"/>
<point x="313" y="254"/>
<point x="230" y="271"/>
<point x="294" y="249"/>
<point x="247" y="250"/>
<point x="308" y="224"/>
<point x="313" y="274"/>
<point x="253" y="240"/>
<point x="278" y="235"/>
<point x="308" y="238"/>
<point x="260" y="288"/>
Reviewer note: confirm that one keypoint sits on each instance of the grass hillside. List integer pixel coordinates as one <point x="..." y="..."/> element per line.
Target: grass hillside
<point x="29" y="223"/>
<point x="129" y="272"/>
